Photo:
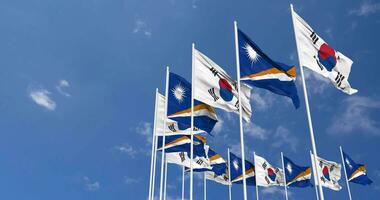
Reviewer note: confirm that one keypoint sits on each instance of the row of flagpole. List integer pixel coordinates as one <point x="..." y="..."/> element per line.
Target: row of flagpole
<point x="163" y="176"/>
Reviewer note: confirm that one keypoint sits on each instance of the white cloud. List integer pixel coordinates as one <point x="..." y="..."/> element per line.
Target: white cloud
<point x="142" y="28"/>
<point x="255" y="131"/>
<point x="283" y="137"/>
<point x="356" y="116"/>
<point x="262" y="100"/>
<point x="366" y="8"/>
<point x="274" y="191"/>
<point x="218" y="127"/>
<point x="145" y="129"/>
<point x="62" y="84"/>
<point x="194" y="4"/>
<point x="91" y="185"/>
<point x="41" y="97"/>
<point x="316" y="84"/>
<point x="129" y="180"/>
<point x="127" y="149"/>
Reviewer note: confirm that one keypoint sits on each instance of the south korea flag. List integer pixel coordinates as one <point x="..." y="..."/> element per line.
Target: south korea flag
<point x="266" y="174"/>
<point x="213" y="86"/>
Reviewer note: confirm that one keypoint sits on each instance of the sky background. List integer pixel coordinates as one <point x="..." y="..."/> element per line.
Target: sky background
<point x="77" y="82"/>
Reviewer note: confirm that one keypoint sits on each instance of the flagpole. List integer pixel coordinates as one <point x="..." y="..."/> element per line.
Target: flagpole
<point x="183" y="182"/>
<point x="204" y="186"/>
<point x="229" y="176"/>
<point x="283" y="168"/>
<point x="314" y="148"/>
<point x="257" y="187"/>
<point x="166" y="177"/>
<point x="154" y="165"/>
<point x="153" y="142"/>
<point x="163" y="133"/>
<point x="240" y="112"/>
<point x="192" y="121"/>
<point x="314" y="176"/>
<point x="345" y="173"/>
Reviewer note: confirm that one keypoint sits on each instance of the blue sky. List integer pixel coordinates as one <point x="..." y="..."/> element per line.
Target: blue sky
<point x="77" y="86"/>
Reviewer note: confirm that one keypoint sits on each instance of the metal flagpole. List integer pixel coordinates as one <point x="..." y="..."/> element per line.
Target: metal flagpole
<point x="151" y="185"/>
<point x="166" y="177"/>
<point x="163" y="133"/>
<point x="229" y="175"/>
<point x="257" y="187"/>
<point x="307" y="109"/>
<point x="183" y="182"/>
<point x="314" y="177"/>
<point x="240" y="111"/>
<point x="154" y="165"/>
<point x="204" y="186"/>
<point x="192" y="121"/>
<point x="283" y="168"/>
<point x="345" y="173"/>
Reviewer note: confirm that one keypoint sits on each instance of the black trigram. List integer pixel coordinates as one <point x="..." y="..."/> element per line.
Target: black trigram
<point x="264" y="165"/>
<point x="212" y="93"/>
<point x="172" y="128"/>
<point x="339" y="79"/>
<point x="237" y="105"/>
<point x="182" y="156"/>
<point x="267" y="180"/>
<point x="199" y="162"/>
<point x="314" y="37"/>
<point x="214" y="71"/>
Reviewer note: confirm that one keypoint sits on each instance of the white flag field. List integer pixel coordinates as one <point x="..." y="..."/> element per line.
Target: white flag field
<point x="183" y="159"/>
<point x="217" y="89"/>
<point x="329" y="173"/>
<point x="266" y="174"/>
<point x="315" y="54"/>
<point x="172" y="127"/>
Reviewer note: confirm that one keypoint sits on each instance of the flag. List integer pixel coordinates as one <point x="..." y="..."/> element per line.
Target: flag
<point x="315" y="54"/>
<point x="216" y="88"/>
<point x="328" y="173"/>
<point x="356" y="173"/>
<point x="179" y="105"/>
<point x="296" y="176"/>
<point x="219" y="170"/>
<point x="266" y="174"/>
<point x="200" y="159"/>
<point x="172" y="127"/>
<point x="258" y="70"/>
<point x="179" y="143"/>
<point x="237" y="172"/>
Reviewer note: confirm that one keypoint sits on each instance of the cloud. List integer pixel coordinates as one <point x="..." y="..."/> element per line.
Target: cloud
<point x="62" y="84"/>
<point x="274" y="191"/>
<point x="145" y="129"/>
<point x="329" y="33"/>
<point x="262" y="100"/>
<point x="283" y="137"/>
<point x="255" y="131"/>
<point x="366" y="8"/>
<point x="91" y="185"/>
<point x="127" y="149"/>
<point x="218" y="127"/>
<point x="129" y="180"/>
<point x="316" y="84"/>
<point x="355" y="115"/>
<point x="194" y="4"/>
<point x="141" y="27"/>
<point x="41" y="97"/>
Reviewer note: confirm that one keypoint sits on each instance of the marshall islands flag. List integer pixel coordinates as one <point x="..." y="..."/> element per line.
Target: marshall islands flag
<point x="296" y="176"/>
<point x="356" y="173"/>
<point x="258" y="70"/>
<point x="179" y="106"/>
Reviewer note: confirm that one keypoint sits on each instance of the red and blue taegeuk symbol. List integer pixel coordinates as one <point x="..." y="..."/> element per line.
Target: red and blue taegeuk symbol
<point x="326" y="56"/>
<point x="271" y="174"/>
<point x="326" y="173"/>
<point x="225" y="90"/>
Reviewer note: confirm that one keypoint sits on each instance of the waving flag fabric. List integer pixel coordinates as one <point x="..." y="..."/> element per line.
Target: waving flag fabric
<point x="172" y="127"/>
<point x="317" y="55"/>
<point x="237" y="172"/>
<point x="178" y="143"/>
<point x="179" y="105"/>
<point x="258" y="70"/>
<point x="216" y="88"/>
<point x="356" y="173"/>
<point x="296" y="176"/>
<point x="329" y="173"/>
<point x="200" y="159"/>
<point x="266" y="174"/>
